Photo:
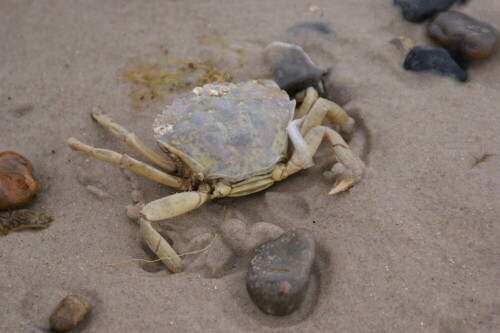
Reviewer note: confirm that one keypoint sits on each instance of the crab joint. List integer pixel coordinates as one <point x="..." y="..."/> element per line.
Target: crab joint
<point x="221" y="190"/>
<point x="279" y="172"/>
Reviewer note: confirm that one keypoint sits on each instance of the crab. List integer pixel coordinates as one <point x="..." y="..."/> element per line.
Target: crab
<point x="228" y="140"/>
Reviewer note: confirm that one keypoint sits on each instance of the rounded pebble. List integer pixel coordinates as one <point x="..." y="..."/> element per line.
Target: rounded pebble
<point x="420" y="10"/>
<point x="291" y="67"/>
<point x="321" y="28"/>
<point x="69" y="313"/>
<point x="437" y="60"/>
<point x="280" y="271"/>
<point x="472" y="38"/>
<point x="17" y="184"/>
<point x="403" y="44"/>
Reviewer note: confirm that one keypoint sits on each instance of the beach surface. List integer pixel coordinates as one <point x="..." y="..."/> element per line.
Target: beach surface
<point x="414" y="247"/>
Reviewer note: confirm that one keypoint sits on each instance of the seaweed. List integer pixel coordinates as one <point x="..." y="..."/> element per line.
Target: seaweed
<point x="153" y="81"/>
<point x="23" y="219"/>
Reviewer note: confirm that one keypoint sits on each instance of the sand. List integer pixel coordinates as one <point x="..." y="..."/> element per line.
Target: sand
<point x="413" y="247"/>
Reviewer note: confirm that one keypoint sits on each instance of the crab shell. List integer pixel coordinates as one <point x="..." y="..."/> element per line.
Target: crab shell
<point x="227" y="131"/>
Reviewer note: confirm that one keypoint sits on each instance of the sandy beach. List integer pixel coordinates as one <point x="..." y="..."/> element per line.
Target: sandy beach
<point x="414" y="247"/>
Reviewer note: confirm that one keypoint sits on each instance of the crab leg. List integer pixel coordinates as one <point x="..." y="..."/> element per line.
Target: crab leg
<point x="323" y="107"/>
<point x="129" y="163"/>
<point x="311" y="95"/>
<point x="315" y="109"/>
<point x="350" y="166"/>
<point x="132" y="140"/>
<point x="161" y="209"/>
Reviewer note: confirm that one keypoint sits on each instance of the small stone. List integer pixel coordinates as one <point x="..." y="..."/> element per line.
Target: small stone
<point x="17" y="184"/>
<point x="436" y="60"/>
<point x="420" y="10"/>
<point x="403" y="44"/>
<point x="280" y="271"/>
<point x="333" y="91"/>
<point x="69" y="313"/>
<point x="291" y="67"/>
<point x="456" y="31"/>
<point x="321" y="28"/>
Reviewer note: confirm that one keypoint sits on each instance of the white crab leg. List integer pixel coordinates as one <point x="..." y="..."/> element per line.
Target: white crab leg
<point x="299" y="144"/>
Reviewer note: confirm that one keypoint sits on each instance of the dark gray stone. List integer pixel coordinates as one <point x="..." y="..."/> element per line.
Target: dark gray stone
<point x="321" y="28"/>
<point x="280" y="270"/>
<point x="420" y="10"/>
<point x="291" y="67"/>
<point x="437" y="60"/>
<point x="459" y="32"/>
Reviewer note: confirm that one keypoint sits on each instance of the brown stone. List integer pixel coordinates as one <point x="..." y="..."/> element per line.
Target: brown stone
<point x="459" y="32"/>
<point x="17" y="184"/>
<point x="69" y="313"/>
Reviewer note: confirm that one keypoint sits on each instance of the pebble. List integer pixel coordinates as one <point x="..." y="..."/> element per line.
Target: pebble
<point x="17" y="183"/>
<point x="69" y="313"/>
<point x="23" y="219"/>
<point x="291" y="67"/>
<point x="403" y="44"/>
<point x="456" y="31"/>
<point x="320" y="28"/>
<point x="420" y="10"/>
<point x="332" y="90"/>
<point x="437" y="60"/>
<point x="280" y="271"/>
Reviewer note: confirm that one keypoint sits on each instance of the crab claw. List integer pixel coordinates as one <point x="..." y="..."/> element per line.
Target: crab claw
<point x="341" y="186"/>
<point x="346" y="178"/>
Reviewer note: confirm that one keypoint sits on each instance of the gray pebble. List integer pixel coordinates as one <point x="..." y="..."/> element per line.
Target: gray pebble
<point x="69" y="313"/>
<point x="321" y="28"/>
<point x="291" y="67"/>
<point x="280" y="270"/>
<point x="420" y="10"/>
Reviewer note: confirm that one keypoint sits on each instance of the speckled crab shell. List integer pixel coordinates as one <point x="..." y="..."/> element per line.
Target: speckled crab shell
<point x="228" y="131"/>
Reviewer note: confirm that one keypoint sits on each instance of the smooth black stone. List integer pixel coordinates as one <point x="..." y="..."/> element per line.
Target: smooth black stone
<point x="438" y="60"/>
<point x="291" y="67"/>
<point x="420" y="10"/>
<point x="280" y="270"/>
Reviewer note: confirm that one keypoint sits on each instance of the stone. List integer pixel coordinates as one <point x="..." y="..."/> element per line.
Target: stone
<point x="280" y="271"/>
<point x="291" y="67"/>
<point x="403" y="44"/>
<point x="437" y="60"/>
<point x="459" y="32"/>
<point x="319" y="28"/>
<point x="17" y="183"/>
<point x="334" y="91"/>
<point x="69" y="313"/>
<point x="420" y="10"/>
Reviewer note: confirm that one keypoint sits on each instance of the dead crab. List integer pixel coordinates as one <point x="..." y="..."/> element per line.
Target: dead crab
<point x="228" y="140"/>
